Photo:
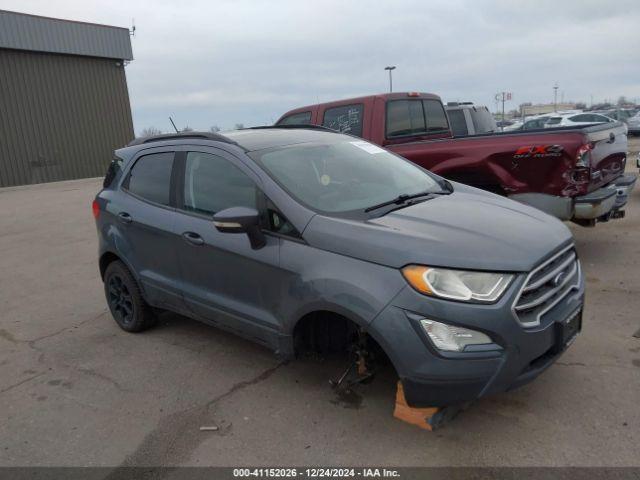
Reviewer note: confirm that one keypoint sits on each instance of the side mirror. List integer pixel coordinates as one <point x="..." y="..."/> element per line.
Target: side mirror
<point x="241" y="220"/>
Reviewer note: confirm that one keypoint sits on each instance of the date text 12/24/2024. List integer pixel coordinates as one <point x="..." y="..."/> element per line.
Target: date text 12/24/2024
<point x="316" y="472"/>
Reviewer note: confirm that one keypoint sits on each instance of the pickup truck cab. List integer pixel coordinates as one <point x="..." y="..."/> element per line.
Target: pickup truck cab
<point x="574" y="173"/>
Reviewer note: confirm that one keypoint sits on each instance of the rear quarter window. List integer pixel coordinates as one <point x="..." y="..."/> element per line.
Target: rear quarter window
<point x="580" y="118"/>
<point x="344" y="119"/>
<point x="113" y="171"/>
<point x="482" y="120"/>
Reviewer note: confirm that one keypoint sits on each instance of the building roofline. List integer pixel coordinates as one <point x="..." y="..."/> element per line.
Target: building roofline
<point x="28" y="32"/>
<point x="2" y="10"/>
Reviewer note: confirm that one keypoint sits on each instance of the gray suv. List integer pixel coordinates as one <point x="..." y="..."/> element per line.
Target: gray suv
<point x="300" y="238"/>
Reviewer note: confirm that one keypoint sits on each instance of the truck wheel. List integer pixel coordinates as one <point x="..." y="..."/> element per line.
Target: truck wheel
<point x="127" y="306"/>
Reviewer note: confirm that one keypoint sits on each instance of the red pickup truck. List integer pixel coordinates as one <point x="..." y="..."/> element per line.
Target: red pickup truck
<point x="572" y="173"/>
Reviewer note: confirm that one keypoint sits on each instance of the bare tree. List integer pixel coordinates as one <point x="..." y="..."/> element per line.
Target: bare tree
<point x="622" y="100"/>
<point x="187" y="129"/>
<point x="239" y="126"/>
<point x="214" y="129"/>
<point x="150" y="131"/>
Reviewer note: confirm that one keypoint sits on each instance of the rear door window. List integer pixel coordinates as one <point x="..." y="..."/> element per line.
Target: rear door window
<point x="531" y="124"/>
<point x="302" y="118"/>
<point x="150" y="177"/>
<point x="599" y="118"/>
<point x="458" y="122"/>
<point x="554" y="121"/>
<point x="344" y="119"/>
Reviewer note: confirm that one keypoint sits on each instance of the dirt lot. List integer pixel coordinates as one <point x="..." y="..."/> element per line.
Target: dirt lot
<point x="76" y="390"/>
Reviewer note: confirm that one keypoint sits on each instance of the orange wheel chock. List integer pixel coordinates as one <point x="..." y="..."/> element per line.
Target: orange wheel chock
<point x="429" y="418"/>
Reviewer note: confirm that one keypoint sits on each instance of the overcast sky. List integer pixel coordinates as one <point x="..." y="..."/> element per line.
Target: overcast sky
<point x="225" y="62"/>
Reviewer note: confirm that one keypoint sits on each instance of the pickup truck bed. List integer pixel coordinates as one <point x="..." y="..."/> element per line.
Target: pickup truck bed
<point x="537" y="167"/>
<point x="572" y="173"/>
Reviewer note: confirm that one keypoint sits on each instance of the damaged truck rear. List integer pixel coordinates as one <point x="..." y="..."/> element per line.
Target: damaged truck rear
<point x="572" y="173"/>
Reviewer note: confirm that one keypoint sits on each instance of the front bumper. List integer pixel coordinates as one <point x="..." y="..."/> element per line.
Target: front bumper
<point x="602" y="203"/>
<point x="434" y="378"/>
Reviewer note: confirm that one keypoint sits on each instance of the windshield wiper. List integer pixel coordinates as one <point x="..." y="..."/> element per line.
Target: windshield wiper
<point x="402" y="198"/>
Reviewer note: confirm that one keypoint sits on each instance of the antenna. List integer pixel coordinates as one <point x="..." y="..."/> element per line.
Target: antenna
<point x="132" y="30"/>
<point x="174" y="125"/>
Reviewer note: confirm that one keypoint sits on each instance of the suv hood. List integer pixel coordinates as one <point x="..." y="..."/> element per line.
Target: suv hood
<point x="468" y="229"/>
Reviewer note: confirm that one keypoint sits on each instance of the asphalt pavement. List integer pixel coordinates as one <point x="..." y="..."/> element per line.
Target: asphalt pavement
<point x="76" y="390"/>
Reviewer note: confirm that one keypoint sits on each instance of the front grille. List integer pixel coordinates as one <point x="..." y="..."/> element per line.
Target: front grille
<point x="547" y="285"/>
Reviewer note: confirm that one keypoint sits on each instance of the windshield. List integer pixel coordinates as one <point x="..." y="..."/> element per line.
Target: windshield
<point x="343" y="176"/>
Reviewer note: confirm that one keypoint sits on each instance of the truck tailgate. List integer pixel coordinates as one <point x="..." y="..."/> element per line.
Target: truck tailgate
<point x="608" y="153"/>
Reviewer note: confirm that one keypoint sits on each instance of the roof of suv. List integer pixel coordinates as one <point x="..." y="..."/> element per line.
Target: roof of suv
<point x="467" y="105"/>
<point x="250" y="139"/>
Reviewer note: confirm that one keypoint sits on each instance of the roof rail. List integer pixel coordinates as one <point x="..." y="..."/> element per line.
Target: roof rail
<point x="457" y="104"/>
<point x="294" y="126"/>
<point x="181" y="136"/>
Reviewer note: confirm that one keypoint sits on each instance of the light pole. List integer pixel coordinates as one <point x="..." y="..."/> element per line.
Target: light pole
<point x="555" y="97"/>
<point x="390" y="77"/>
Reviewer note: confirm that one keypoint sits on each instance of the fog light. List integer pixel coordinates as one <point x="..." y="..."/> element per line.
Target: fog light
<point x="452" y="339"/>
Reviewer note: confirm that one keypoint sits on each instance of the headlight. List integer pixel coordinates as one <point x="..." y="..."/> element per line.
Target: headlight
<point x="457" y="284"/>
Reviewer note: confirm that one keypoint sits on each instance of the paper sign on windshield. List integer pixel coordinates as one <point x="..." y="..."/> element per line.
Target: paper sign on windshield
<point x="367" y="147"/>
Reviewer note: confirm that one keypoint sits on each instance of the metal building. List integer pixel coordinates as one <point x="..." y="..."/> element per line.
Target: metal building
<point x="64" y="104"/>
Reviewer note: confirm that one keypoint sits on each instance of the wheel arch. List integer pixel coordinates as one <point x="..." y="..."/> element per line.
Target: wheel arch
<point x="335" y="314"/>
<point x="108" y="257"/>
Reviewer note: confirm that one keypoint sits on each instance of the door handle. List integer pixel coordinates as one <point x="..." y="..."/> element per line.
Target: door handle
<point x="124" y="217"/>
<point x="193" y="238"/>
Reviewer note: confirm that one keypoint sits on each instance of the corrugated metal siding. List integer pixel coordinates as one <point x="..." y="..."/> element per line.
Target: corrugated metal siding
<point x="61" y="116"/>
<point x="42" y="34"/>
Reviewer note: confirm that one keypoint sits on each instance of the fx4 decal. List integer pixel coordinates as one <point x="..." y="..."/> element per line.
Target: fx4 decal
<point x="538" y="151"/>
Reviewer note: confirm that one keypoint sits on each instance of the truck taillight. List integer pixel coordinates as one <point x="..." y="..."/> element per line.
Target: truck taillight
<point x="581" y="175"/>
<point x="95" y="207"/>
<point x="583" y="155"/>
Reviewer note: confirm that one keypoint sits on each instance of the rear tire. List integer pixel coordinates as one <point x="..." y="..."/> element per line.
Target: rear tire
<point x="128" y="308"/>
